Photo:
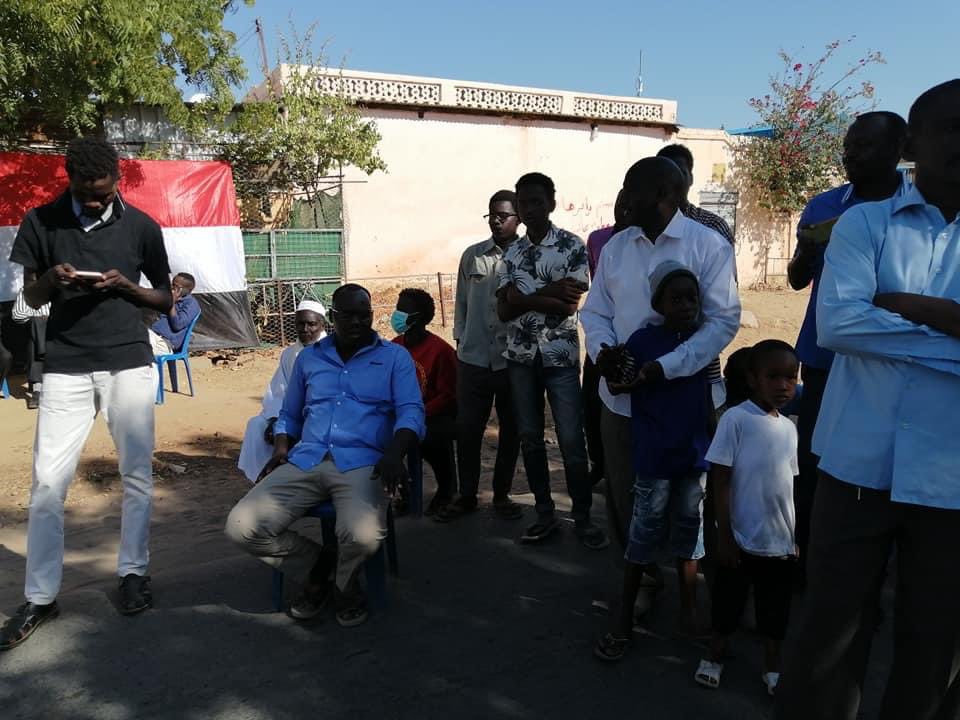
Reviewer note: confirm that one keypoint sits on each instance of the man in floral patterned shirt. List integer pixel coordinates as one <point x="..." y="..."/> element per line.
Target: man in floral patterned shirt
<point x="540" y="281"/>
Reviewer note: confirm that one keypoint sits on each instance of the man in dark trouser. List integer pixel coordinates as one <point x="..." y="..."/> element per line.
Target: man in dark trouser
<point x="872" y="149"/>
<point x="540" y="281"/>
<point x="482" y="378"/>
<point x="592" y="403"/>
<point x="890" y="467"/>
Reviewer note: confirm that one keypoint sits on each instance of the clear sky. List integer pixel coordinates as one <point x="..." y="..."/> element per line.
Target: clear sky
<point x="709" y="56"/>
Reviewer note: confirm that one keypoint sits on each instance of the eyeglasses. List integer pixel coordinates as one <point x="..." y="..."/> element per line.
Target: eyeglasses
<point x="502" y="217"/>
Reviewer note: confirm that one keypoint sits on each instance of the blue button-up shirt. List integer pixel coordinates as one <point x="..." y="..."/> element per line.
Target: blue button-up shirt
<point x="890" y="407"/>
<point x="825" y="206"/>
<point x="352" y="409"/>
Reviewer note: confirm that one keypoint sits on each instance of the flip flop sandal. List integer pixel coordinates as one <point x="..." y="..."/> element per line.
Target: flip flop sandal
<point x="352" y="616"/>
<point x="708" y="674"/>
<point x="610" y="648"/>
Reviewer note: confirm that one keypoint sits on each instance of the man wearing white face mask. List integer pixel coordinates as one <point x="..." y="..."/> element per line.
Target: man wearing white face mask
<point x="257" y="447"/>
<point x="436" y="364"/>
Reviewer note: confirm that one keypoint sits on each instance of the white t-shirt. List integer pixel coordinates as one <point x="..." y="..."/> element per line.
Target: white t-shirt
<point x="761" y="449"/>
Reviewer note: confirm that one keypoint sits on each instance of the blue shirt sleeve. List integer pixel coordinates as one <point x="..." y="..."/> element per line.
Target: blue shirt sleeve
<point x="290" y="421"/>
<point x="407" y="398"/>
<point x="847" y="320"/>
<point x="187" y="310"/>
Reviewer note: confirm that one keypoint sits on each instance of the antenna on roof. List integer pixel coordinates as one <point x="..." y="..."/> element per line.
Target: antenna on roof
<point x="640" y="76"/>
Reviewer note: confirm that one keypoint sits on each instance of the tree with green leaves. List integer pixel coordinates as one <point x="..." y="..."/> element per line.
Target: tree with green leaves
<point x="294" y="139"/>
<point x="806" y="115"/>
<point x="64" y="64"/>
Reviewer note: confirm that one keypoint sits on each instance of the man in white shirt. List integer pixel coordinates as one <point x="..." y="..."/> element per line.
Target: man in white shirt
<point x="257" y="447"/>
<point x="619" y="303"/>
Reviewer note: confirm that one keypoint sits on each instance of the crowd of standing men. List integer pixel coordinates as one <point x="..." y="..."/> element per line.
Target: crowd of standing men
<point x="880" y="357"/>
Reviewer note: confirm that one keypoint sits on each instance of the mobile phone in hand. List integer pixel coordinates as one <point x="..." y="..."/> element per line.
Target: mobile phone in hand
<point x="88" y="275"/>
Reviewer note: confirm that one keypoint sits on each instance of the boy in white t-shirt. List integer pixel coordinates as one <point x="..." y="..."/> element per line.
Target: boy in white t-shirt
<point x="753" y="461"/>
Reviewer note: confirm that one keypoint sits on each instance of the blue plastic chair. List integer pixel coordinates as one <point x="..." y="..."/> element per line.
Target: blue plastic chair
<point x="376" y="566"/>
<point x="171" y="360"/>
<point x="5" y="389"/>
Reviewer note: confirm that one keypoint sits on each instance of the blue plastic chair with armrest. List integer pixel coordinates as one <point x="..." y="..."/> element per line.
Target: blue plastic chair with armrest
<point x="171" y="362"/>
<point x="386" y="555"/>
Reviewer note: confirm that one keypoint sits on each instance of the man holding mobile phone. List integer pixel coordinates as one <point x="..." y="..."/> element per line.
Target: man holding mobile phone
<point x="871" y="151"/>
<point x="84" y="254"/>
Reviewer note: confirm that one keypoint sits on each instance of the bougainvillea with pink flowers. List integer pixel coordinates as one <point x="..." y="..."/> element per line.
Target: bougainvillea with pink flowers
<point x="808" y="113"/>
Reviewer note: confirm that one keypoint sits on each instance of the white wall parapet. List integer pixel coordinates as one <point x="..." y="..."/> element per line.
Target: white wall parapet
<point x="427" y="92"/>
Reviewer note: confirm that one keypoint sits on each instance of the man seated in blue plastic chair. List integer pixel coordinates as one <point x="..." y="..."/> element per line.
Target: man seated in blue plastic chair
<point x="167" y="332"/>
<point x="352" y="411"/>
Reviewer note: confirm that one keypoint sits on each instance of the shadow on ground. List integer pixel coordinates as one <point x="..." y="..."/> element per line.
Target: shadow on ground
<point x="478" y="626"/>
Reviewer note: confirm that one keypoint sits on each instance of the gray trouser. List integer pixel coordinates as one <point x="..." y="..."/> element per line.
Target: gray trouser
<point x="259" y="522"/>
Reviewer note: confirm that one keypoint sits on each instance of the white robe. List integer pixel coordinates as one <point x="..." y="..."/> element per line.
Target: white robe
<point x="255" y="451"/>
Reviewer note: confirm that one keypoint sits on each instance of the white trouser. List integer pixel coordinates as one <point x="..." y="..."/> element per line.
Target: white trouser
<point x="159" y="345"/>
<point x="68" y="406"/>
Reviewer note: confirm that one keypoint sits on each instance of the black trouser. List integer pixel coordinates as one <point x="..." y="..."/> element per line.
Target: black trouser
<point x="36" y="349"/>
<point x="853" y="531"/>
<point x="814" y="381"/>
<point x="437" y="451"/>
<point x="772" y="581"/>
<point x="478" y="389"/>
<point x="592" y="407"/>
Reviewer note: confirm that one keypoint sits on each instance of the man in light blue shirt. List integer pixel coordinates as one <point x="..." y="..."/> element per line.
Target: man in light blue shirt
<point x="872" y="149"/>
<point x="352" y="410"/>
<point x="890" y="461"/>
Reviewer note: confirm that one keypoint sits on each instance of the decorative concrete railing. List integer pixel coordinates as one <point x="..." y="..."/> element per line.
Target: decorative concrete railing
<point x="426" y="92"/>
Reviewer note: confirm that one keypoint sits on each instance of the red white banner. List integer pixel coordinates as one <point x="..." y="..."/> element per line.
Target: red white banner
<point x="193" y="201"/>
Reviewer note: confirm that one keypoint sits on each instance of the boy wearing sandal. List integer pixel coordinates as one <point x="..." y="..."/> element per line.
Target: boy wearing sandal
<point x="753" y="461"/>
<point x="670" y="437"/>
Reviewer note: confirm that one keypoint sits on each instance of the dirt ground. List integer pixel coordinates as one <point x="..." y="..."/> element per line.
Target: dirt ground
<point x="201" y="435"/>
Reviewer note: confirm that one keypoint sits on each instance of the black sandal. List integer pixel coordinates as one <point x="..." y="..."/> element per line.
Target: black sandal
<point x="135" y="594"/>
<point x="23" y="624"/>
<point x="610" y="648"/>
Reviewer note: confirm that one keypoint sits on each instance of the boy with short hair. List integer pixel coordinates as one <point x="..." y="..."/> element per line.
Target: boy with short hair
<point x="670" y="437"/>
<point x="436" y="364"/>
<point x="753" y="461"/>
<point x="540" y="281"/>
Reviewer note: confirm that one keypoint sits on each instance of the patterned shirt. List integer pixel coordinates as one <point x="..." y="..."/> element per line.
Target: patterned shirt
<point x="529" y="268"/>
<point x="711" y="220"/>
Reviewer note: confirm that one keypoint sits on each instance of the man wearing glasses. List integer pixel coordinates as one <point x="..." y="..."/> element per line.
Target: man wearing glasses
<point x="482" y="378"/>
<point x="352" y="411"/>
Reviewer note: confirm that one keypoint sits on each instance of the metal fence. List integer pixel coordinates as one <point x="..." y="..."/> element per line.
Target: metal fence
<point x="293" y="254"/>
<point x="273" y="303"/>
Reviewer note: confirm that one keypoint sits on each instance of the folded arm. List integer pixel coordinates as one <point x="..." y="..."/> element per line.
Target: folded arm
<point x="941" y="314"/>
<point x="849" y="322"/>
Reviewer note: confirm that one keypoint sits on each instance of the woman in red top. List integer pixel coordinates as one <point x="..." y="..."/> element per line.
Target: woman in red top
<point x="436" y="364"/>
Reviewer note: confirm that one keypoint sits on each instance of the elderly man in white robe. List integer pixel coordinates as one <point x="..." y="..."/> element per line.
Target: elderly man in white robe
<point x="257" y="445"/>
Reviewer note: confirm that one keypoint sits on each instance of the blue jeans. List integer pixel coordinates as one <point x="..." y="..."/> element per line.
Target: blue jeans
<point x="561" y="385"/>
<point x="667" y="508"/>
